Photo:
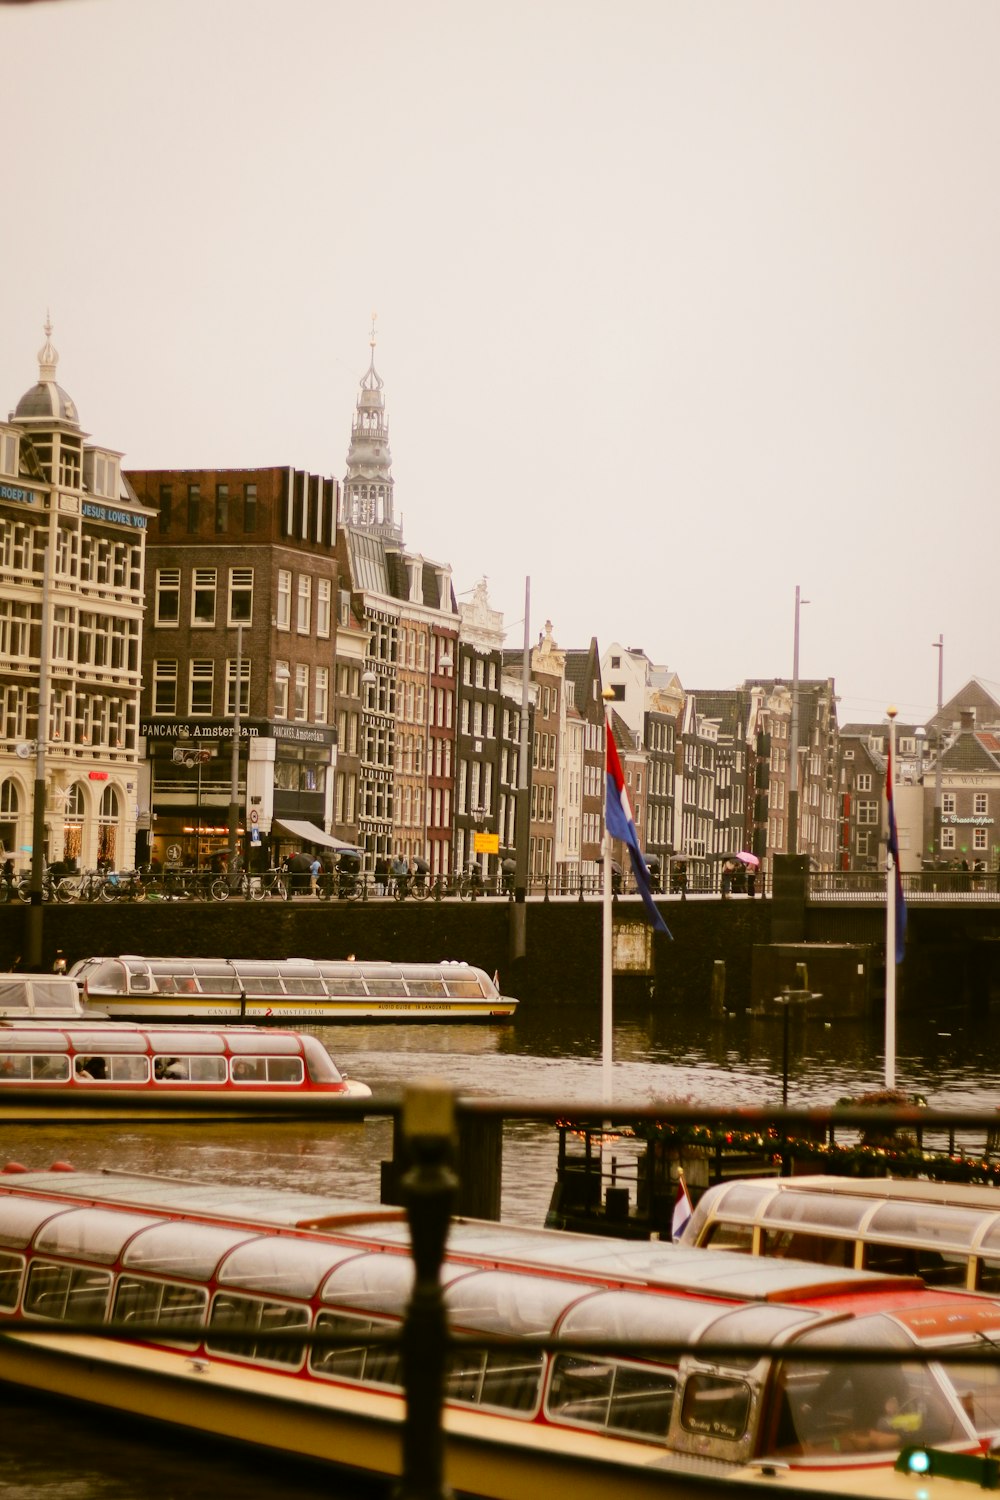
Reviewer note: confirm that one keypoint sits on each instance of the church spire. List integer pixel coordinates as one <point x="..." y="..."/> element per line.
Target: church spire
<point x="367" y="493"/>
<point x="48" y="359"/>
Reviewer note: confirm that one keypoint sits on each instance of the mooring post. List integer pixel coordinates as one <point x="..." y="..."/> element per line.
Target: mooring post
<point x="428" y="1193"/>
<point x="719" y="987"/>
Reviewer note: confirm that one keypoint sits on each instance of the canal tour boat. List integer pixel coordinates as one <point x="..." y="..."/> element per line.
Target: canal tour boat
<point x="148" y="1072"/>
<point x="946" y="1233"/>
<point x="761" y="1377"/>
<point x="290" y="990"/>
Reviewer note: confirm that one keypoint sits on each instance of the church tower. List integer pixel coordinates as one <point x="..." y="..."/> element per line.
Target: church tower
<point x="366" y="497"/>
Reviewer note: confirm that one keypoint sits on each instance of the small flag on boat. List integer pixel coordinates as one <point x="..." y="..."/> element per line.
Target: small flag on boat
<point x="893" y="844"/>
<point x="682" y="1209"/>
<point x="618" y="819"/>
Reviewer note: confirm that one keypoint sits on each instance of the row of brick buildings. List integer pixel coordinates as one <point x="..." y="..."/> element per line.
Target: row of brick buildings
<point x="376" y="707"/>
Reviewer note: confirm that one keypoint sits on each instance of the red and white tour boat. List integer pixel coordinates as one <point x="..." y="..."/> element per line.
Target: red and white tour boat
<point x="73" y="1068"/>
<point x="729" y="1373"/>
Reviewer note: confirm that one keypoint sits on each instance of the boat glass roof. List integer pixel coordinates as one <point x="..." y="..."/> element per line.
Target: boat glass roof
<point x="20" y="1040"/>
<point x="91" y="1233"/>
<point x="290" y="1268"/>
<point x="377" y="1282"/>
<point x="809" y="1208"/>
<point x="107" y="1038"/>
<point x="182" y="1249"/>
<point x="510" y="1302"/>
<point x="744" y="1198"/>
<point x="20" y="1218"/>
<point x="756" y="1326"/>
<point x="636" y="1315"/>
<point x="927" y="1224"/>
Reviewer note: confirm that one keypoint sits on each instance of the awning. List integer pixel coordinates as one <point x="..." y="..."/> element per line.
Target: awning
<point x="310" y="833"/>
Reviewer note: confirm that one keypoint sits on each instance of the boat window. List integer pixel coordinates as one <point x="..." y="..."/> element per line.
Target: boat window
<point x="599" y="1392"/>
<point x="381" y="1283"/>
<point x="385" y="988"/>
<point x="267" y="1070"/>
<point x="340" y="987"/>
<point x="11" y="1270"/>
<point x="139" y="979"/>
<point x="860" y="1408"/>
<point x="716" y="1406"/>
<point x="722" y="1235"/>
<point x="91" y="1233"/>
<point x="375" y="1364"/>
<point x="505" y="1302"/>
<point x="112" y="976"/>
<point x="257" y="985"/>
<point x="463" y="989"/>
<point x="170" y="1069"/>
<point x="312" y="985"/>
<point x="14" y="994"/>
<point x="926" y="1224"/>
<point x="978" y="1389"/>
<point x="20" y="1218"/>
<point x="67" y="1292"/>
<point x="55" y="994"/>
<point x="105" y="1068"/>
<point x="40" y="1068"/>
<point x="821" y="1249"/>
<point x="142" y="1300"/>
<point x="254" y="1315"/>
<point x="916" y="1260"/>
<point x="505" y="1378"/>
<point x="826" y="1211"/>
<point x="426" y="989"/>
<point x="740" y="1200"/>
<point x="274" y="1263"/>
<point x="183" y="1249"/>
<point x="320" y="1065"/>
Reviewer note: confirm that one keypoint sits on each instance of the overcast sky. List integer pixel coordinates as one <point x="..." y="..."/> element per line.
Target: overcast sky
<point x="679" y="304"/>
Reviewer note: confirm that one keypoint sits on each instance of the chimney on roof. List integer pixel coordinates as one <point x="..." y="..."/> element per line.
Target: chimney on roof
<point x="967" y="720"/>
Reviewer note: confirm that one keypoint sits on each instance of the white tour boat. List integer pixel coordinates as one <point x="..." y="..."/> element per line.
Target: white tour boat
<point x="290" y="990"/>
<point x="746" y="1389"/>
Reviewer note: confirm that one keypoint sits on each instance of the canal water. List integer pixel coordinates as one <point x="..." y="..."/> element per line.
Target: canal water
<point x="48" y="1453"/>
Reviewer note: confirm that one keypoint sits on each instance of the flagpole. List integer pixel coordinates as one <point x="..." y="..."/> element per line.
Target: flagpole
<point x="890" y="917"/>
<point x="607" y="972"/>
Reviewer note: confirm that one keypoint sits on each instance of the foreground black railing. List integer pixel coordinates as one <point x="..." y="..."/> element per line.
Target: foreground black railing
<point x="428" y="1116"/>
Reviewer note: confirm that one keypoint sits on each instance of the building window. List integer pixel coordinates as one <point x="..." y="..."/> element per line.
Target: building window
<point x="980" y="804"/>
<point x="867" y="812"/>
<point x="164" y="689"/>
<point x="979" y="839"/>
<point x="863" y="782"/>
<point x="193" y="507"/>
<point x="948" y="802"/>
<point x="221" y="508"/>
<point x="202" y="685"/>
<point x="947" y="838"/>
<point x="203" y="597"/>
<point x="249" y="507"/>
<point x="304" y="612"/>
<point x="321" y="694"/>
<point x="283" y="617"/>
<point x="282" y="677"/>
<point x="240" y="596"/>
<point x="323" y="595"/>
<point x="166" y="506"/>
<point x="168" y="596"/>
<point x="302" y="693"/>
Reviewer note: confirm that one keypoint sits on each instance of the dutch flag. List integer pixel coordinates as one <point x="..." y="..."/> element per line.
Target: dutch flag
<point x="682" y="1210"/>
<point x="618" y="818"/>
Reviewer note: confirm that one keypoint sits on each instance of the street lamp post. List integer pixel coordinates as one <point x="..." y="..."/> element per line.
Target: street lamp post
<point x="234" y="783"/>
<point x="793" y="783"/>
<point x="938" y="646"/>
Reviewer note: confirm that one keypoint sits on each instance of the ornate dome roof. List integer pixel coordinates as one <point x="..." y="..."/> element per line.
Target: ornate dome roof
<point x="47" y="401"/>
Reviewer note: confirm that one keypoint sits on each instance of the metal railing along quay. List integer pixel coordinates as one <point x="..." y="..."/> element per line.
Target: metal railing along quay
<point x="959" y="887"/>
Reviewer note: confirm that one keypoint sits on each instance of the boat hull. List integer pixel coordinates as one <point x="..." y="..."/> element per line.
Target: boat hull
<point x="216" y="1010"/>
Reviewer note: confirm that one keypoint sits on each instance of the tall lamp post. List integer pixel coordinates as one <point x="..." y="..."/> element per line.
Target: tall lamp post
<point x="234" y="782"/>
<point x="938" y="646"/>
<point x="793" y="784"/>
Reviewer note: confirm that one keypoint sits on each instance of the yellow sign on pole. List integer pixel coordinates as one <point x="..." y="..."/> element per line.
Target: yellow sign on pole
<point x="486" y="843"/>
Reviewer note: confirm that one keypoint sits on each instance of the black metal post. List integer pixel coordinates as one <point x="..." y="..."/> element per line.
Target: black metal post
<point x="428" y="1192"/>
